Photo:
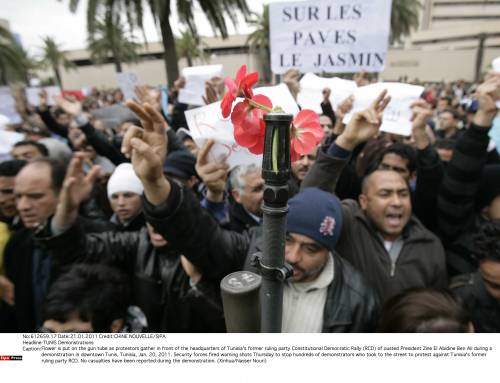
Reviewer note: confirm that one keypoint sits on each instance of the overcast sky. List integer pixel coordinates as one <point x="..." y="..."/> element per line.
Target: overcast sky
<point x="33" y="19"/>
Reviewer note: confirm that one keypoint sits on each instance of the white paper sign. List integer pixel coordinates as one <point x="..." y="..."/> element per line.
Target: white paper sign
<point x="196" y="76"/>
<point x="332" y="36"/>
<point x="32" y="95"/>
<point x="127" y="82"/>
<point x="8" y="105"/>
<point x="311" y="91"/>
<point x="280" y="96"/>
<point x="397" y="114"/>
<point x="7" y="141"/>
<point x="496" y="67"/>
<point x="206" y="123"/>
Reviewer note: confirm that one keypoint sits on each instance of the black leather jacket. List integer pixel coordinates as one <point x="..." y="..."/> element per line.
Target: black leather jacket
<point x="161" y="287"/>
<point x="351" y="304"/>
<point x="483" y="308"/>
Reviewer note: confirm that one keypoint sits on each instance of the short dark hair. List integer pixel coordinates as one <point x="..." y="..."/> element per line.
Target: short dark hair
<point x="41" y="147"/>
<point x="404" y="151"/>
<point x="57" y="171"/>
<point x="487" y="241"/>
<point x="449" y="100"/>
<point x="58" y="112"/>
<point x="97" y="293"/>
<point x="11" y="168"/>
<point x="452" y="111"/>
<point x="424" y="310"/>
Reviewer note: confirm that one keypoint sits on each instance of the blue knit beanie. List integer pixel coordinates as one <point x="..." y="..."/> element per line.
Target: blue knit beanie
<point x="317" y="215"/>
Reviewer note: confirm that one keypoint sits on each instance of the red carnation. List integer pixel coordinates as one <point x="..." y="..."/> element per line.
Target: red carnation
<point x="306" y="134"/>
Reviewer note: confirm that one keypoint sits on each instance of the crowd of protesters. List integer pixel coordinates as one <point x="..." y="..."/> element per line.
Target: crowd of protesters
<point x="113" y="219"/>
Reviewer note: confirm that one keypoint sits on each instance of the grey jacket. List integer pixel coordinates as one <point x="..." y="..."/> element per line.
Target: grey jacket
<point x="421" y="261"/>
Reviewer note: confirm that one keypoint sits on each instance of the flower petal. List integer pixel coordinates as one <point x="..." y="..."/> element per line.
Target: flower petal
<point x="304" y="143"/>
<point x="246" y="117"/>
<point x="226" y="104"/>
<point x="244" y="139"/>
<point x="263" y="100"/>
<point x="306" y="117"/>
<point x="240" y="75"/>
<point x="308" y="121"/>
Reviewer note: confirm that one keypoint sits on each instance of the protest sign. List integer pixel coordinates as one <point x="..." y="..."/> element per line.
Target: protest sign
<point x="8" y="105"/>
<point x="7" y="141"/>
<point x="127" y="82"/>
<point x="332" y="36"/>
<point x="196" y="77"/>
<point x="32" y="95"/>
<point x="311" y="88"/>
<point x="206" y="123"/>
<point x="280" y="96"/>
<point x="496" y="67"/>
<point x="397" y="114"/>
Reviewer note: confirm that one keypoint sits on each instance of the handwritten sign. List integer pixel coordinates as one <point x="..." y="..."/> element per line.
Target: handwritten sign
<point x="32" y="95"/>
<point x="8" y="105"/>
<point x="207" y="123"/>
<point x="127" y="82"/>
<point x="333" y="36"/>
<point x="196" y="77"/>
<point x="397" y="115"/>
<point x="311" y="88"/>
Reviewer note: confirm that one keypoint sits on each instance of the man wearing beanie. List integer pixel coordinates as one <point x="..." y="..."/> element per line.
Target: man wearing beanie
<point x="380" y="236"/>
<point x="340" y="300"/>
<point x="124" y="194"/>
<point x="325" y="293"/>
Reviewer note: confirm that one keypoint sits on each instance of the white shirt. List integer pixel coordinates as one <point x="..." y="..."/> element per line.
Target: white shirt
<point x="304" y="302"/>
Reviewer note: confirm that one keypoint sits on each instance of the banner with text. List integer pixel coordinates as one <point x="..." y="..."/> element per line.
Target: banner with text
<point x="397" y="115"/>
<point x="329" y="36"/>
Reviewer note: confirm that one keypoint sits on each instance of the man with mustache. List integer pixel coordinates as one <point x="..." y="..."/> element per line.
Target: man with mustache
<point x="325" y="294"/>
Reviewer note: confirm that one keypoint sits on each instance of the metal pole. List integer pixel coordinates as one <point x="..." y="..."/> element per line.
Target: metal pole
<point x="276" y="172"/>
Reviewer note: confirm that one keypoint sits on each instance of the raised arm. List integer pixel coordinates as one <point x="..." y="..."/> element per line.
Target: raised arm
<point x="364" y="125"/>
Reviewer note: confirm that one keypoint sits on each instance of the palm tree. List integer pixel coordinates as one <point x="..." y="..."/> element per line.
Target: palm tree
<point x="53" y="57"/>
<point x="189" y="47"/>
<point x="110" y="39"/>
<point x="404" y="17"/>
<point x="258" y="40"/>
<point x="15" y="63"/>
<point x="215" y="11"/>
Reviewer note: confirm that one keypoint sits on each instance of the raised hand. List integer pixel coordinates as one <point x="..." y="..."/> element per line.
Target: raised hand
<point x="76" y="188"/>
<point x="213" y="174"/>
<point x="364" y="124"/>
<point x="421" y="114"/>
<point x="73" y="107"/>
<point x="326" y="92"/>
<point x="150" y="96"/>
<point x="342" y="109"/>
<point x="488" y="93"/>
<point x="147" y="149"/>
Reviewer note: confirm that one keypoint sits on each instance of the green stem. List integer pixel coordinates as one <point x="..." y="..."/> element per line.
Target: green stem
<point x="257" y="105"/>
<point x="275" y="151"/>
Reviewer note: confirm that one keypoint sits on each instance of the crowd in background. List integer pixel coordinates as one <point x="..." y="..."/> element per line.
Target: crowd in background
<point x="113" y="219"/>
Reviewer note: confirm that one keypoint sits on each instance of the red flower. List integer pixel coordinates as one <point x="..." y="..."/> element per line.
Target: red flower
<point x="249" y="125"/>
<point x="306" y="133"/>
<point x="243" y="84"/>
